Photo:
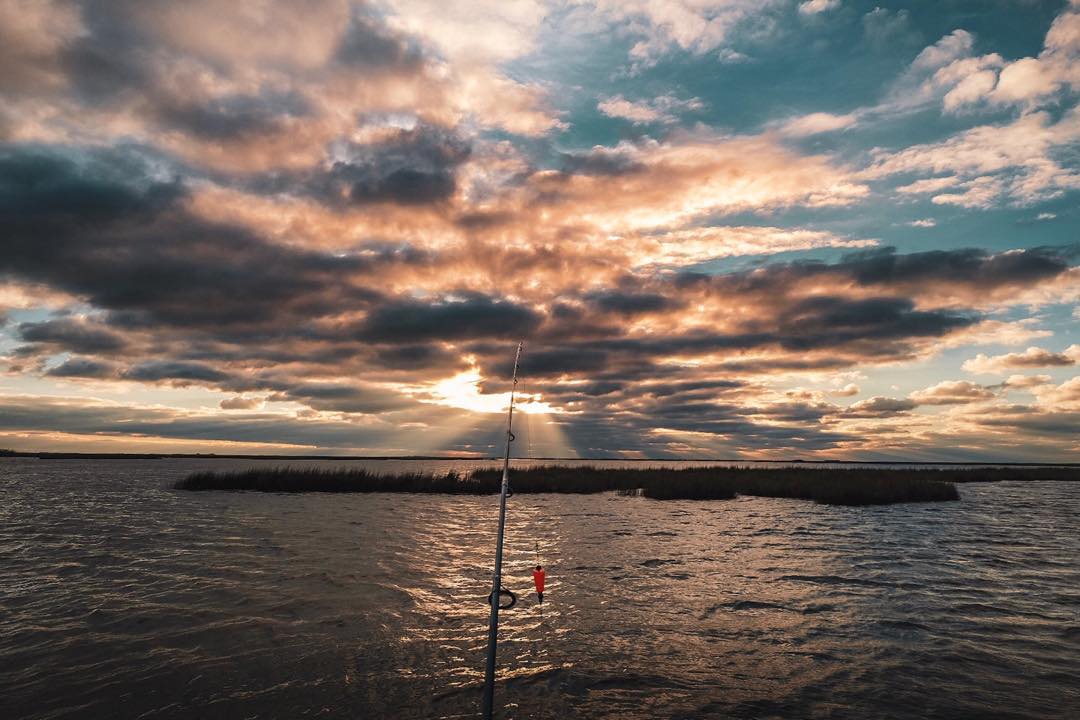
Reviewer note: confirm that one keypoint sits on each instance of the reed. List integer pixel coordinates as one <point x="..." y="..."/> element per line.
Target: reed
<point x="828" y="485"/>
<point x="300" y="480"/>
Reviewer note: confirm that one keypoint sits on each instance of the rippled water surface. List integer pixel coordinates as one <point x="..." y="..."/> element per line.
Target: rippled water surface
<point x="120" y="597"/>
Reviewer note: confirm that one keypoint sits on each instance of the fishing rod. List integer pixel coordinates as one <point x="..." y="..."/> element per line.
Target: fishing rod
<point x="496" y="584"/>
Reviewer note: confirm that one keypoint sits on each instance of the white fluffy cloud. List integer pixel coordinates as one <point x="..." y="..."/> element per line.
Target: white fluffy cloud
<point x="696" y="26"/>
<point x="1018" y="162"/>
<point x="816" y="123"/>
<point x="1033" y="357"/>
<point x="1027" y="81"/>
<point x="1065" y="396"/>
<point x="952" y="392"/>
<point x="813" y="7"/>
<point x="661" y="109"/>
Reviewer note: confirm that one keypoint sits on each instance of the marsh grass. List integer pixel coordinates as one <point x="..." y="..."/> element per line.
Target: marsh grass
<point x="828" y="485"/>
<point x="302" y="480"/>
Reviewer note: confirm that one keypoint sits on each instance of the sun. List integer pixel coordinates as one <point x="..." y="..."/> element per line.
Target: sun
<point x="463" y="391"/>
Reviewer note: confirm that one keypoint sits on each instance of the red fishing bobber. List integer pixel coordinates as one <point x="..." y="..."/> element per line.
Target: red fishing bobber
<point x="538" y="579"/>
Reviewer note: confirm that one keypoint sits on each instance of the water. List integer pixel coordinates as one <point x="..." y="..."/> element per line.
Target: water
<point x="121" y="598"/>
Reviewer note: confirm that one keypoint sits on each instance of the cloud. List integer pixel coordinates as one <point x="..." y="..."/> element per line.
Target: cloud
<point x="696" y="245"/>
<point x="365" y="44"/>
<point x="817" y="123"/>
<point x="691" y="175"/>
<point x="813" y="7"/>
<point x="1026" y="382"/>
<point x="74" y="334"/>
<point x="882" y="27"/>
<point x="848" y="390"/>
<point x="276" y="318"/>
<point x="982" y="192"/>
<point x="175" y="371"/>
<point x="473" y="317"/>
<point x="923" y="223"/>
<point x="928" y="185"/>
<point x="415" y="357"/>
<point x="1033" y="357"/>
<point x="952" y="392"/>
<point x="133" y="249"/>
<point x="1025" y="79"/>
<point x="32" y="37"/>
<point x="879" y="406"/>
<point x="661" y="109"/>
<point x="484" y="31"/>
<point x="1013" y="163"/>
<point x="83" y="417"/>
<point x="247" y="92"/>
<point x="241" y="403"/>
<point x="1023" y="427"/>
<point x="234" y="117"/>
<point x="697" y="28"/>
<point x="946" y="71"/>
<point x="998" y="332"/>
<point x="1028" y="81"/>
<point x="1063" y="397"/>
<point x="413" y="166"/>
<point x="624" y="303"/>
<point x="963" y="276"/>
<point x="77" y="367"/>
<point x="831" y="321"/>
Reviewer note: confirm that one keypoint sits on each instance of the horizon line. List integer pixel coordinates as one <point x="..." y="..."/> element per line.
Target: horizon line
<point x="61" y="455"/>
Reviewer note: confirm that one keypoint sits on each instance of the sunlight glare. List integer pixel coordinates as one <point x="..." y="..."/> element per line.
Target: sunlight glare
<point x="463" y="391"/>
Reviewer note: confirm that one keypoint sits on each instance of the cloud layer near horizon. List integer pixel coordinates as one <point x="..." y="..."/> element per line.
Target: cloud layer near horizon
<point x="284" y="230"/>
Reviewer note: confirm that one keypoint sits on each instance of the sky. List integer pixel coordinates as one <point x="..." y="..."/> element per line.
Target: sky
<point x="757" y="229"/>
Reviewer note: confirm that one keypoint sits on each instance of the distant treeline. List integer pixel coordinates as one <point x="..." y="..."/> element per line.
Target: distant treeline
<point x="835" y="486"/>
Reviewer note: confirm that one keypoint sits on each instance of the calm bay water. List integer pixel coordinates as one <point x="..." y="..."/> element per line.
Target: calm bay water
<point x="122" y="598"/>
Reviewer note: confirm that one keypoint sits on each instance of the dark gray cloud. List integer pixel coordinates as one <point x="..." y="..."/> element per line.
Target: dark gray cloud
<point x="72" y="334"/>
<point x="963" y="270"/>
<point x="1028" y="419"/>
<point x="369" y="46"/>
<point x="825" y="321"/>
<point x="114" y="63"/>
<point x="415" y="167"/>
<point x="541" y="363"/>
<point x="969" y="266"/>
<point x="232" y="117"/>
<point x="174" y="370"/>
<point x="339" y="397"/>
<point x="93" y="226"/>
<point x="414" y="357"/>
<point x="600" y="161"/>
<point x="880" y="407"/>
<point x="629" y="303"/>
<point x="471" y="317"/>
<point x="78" y="367"/>
<point x="118" y="61"/>
<point x="689" y="386"/>
<point x="877" y="326"/>
<point x="595" y="434"/>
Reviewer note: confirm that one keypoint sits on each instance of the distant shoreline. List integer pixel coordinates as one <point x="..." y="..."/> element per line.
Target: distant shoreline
<point x="480" y="458"/>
